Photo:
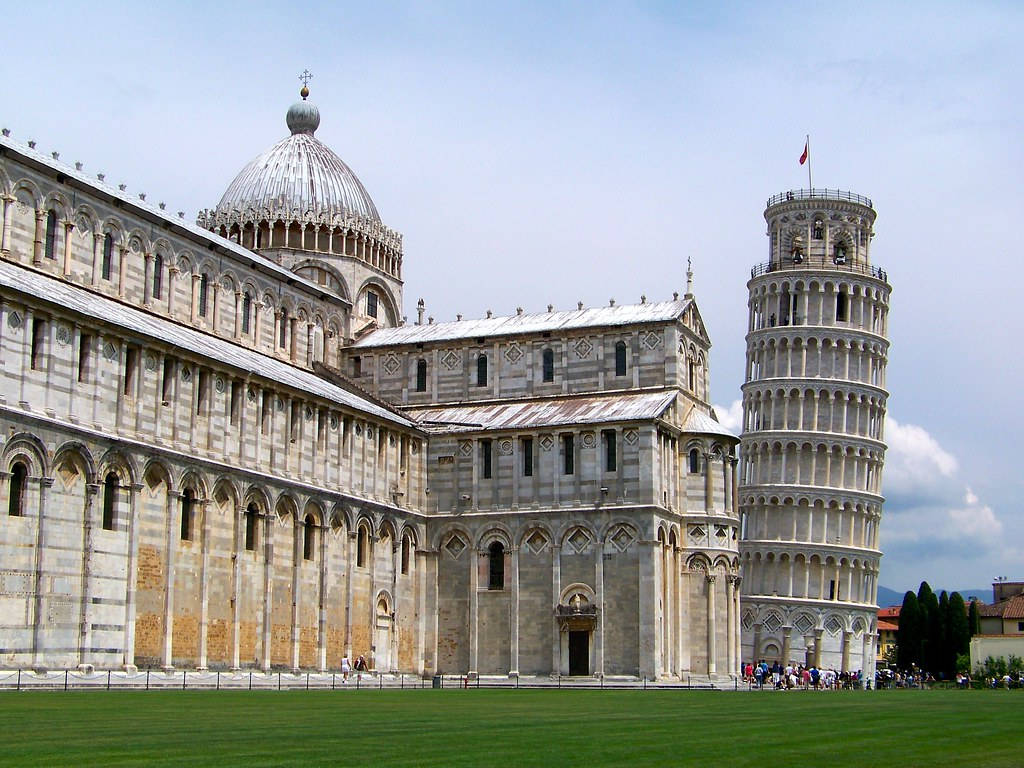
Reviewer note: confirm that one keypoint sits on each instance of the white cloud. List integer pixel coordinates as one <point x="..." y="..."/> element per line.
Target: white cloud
<point x="915" y="459"/>
<point x="731" y="416"/>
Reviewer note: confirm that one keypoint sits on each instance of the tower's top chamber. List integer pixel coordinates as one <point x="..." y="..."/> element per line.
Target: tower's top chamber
<point x="819" y="229"/>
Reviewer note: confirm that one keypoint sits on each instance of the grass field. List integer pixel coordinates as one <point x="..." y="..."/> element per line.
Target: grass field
<point x="513" y="728"/>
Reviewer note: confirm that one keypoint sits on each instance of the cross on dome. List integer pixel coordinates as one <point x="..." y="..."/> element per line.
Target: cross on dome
<point x="305" y="77"/>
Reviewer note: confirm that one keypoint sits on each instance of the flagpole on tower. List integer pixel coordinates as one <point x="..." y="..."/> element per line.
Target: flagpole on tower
<point x="807" y="149"/>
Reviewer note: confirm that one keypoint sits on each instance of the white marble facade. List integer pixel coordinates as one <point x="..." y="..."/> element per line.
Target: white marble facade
<point x="222" y="447"/>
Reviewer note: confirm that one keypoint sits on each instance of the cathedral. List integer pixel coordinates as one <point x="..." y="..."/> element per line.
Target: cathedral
<point x="224" y="447"/>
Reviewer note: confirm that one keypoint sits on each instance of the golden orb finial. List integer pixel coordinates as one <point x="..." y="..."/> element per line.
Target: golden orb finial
<point x="305" y="77"/>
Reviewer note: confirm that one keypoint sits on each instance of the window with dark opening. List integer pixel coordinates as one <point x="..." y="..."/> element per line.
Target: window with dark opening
<point x="188" y="501"/>
<point x="819" y="229"/>
<point x="308" y="530"/>
<point x="841" y="306"/>
<point x="131" y="363"/>
<point x="51" y="234"/>
<point x="38" y="343"/>
<point x="266" y="413"/>
<point x="568" y="457"/>
<point x="361" y="544"/>
<point x="620" y="358"/>
<point x="202" y="385"/>
<point x="496" y="566"/>
<point x="246" y="312"/>
<point x="694" y="461"/>
<point x="405" y="554"/>
<point x="481" y="371"/>
<point x="371" y="303"/>
<point x="106" y="265"/>
<point x="251" y="516"/>
<point x="158" y="275"/>
<point x="16" y="501"/>
<point x="282" y="332"/>
<point x="236" y="403"/>
<point x="357" y="367"/>
<point x="485" y="458"/>
<point x="610" y="459"/>
<point x="84" y="356"/>
<point x="204" y="291"/>
<point x="527" y="457"/>
<point x="549" y="365"/>
<point x="110" y="485"/>
<point x="421" y="375"/>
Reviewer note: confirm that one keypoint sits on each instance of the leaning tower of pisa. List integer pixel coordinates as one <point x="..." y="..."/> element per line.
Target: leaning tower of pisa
<point x="812" y="444"/>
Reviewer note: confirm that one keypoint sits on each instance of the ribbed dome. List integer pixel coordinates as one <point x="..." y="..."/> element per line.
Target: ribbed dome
<point x="299" y="173"/>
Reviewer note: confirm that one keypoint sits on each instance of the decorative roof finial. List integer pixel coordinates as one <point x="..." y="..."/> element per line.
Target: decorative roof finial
<point x="305" y="77"/>
<point x="689" y="278"/>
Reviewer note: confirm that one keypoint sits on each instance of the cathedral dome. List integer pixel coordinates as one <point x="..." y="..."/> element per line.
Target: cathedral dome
<point x="299" y="173"/>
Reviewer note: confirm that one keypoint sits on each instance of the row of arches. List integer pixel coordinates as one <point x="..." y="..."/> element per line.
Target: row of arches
<point x="814" y="520"/>
<point x="824" y="464"/>
<point x="817" y="357"/>
<point x="331" y="239"/>
<point x="810" y="577"/>
<point x="822" y="410"/>
<point x="852" y="304"/>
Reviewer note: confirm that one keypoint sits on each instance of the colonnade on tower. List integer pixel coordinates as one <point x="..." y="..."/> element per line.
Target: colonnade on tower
<point x="813" y="448"/>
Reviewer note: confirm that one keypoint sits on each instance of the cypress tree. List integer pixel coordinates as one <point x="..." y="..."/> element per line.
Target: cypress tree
<point x="908" y="639"/>
<point x="973" y="619"/>
<point x="929" y="628"/>
<point x="945" y="659"/>
<point x="959" y="629"/>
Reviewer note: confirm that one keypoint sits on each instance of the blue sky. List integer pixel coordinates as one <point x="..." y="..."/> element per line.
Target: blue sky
<point x="556" y="152"/>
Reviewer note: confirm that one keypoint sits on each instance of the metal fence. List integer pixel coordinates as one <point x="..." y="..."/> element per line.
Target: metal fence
<point x="818" y="194"/>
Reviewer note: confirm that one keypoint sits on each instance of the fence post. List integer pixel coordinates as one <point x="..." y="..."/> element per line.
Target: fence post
<point x="380" y="682"/>
<point x="147" y="679"/>
<point x="645" y="682"/>
<point x="250" y="679"/>
<point x="332" y="681"/>
<point x="559" y="681"/>
<point x="19" y="678"/>
<point x="218" y="679"/>
<point x="184" y="678"/>
<point x="358" y="678"/>
<point x="65" y="679"/>
<point x="307" y="681"/>
<point x="279" y="681"/>
<point x="402" y="677"/>
<point x="108" y="679"/>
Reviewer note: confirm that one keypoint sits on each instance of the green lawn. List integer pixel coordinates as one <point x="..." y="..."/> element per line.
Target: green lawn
<point x="513" y="728"/>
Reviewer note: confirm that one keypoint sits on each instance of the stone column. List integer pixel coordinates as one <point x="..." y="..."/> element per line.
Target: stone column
<point x="818" y="633"/>
<point x="556" y="590"/>
<point x="236" y="585"/>
<point x="847" y="638"/>
<point x="599" y="599"/>
<point x="238" y="315"/>
<point x="730" y="622"/>
<point x="172" y="515"/>
<point x="147" y="279"/>
<point x="37" y="240"/>
<point x="474" y="612"/>
<point x="84" y="617"/>
<point x="122" y="271"/>
<point x="755" y="650"/>
<point x="712" y="645"/>
<point x="68" y="227"/>
<point x="787" y="643"/>
<point x="709" y="489"/>
<point x="5" y="234"/>
<point x="204" y="585"/>
<point x="324" y="576"/>
<point x="172" y="275"/>
<point x="513" y="670"/>
<point x="297" y="536"/>
<point x="131" y="590"/>
<point x="97" y="257"/>
<point x="350" y="560"/>
<point x="396" y="560"/>
<point x="45" y="483"/>
<point x="268" y="586"/>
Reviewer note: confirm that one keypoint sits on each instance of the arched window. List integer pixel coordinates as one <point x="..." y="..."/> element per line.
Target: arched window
<point x="16" y="502"/>
<point x="496" y="569"/>
<point x="110" y="485"/>
<point x="158" y="275"/>
<point x="51" y="234"/>
<point x="620" y="358"/>
<point x="819" y="229"/>
<point x="308" y="532"/>
<point x="405" y="554"/>
<point x="204" y="292"/>
<point x="694" y="460"/>
<point x="549" y="365"/>
<point x="283" y="330"/>
<point x="246" y="311"/>
<point x="481" y="371"/>
<point x="421" y="375"/>
<point x="188" y="502"/>
<point x="841" y="305"/>
<point x="361" y="546"/>
<point x="108" y="256"/>
<point x="251" y="516"/>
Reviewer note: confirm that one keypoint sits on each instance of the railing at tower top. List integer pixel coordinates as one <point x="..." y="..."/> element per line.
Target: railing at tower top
<point x="820" y="262"/>
<point x="818" y="194"/>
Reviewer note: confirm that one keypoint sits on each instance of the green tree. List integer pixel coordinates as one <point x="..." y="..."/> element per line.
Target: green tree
<point x="944" y="659"/>
<point x="973" y="619"/>
<point x="958" y="627"/>
<point x="908" y="636"/>
<point x="929" y="628"/>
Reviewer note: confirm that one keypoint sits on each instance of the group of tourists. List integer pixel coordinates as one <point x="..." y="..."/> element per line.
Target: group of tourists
<point x="792" y="676"/>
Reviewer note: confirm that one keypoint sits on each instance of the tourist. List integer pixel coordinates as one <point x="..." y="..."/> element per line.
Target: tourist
<point x="346" y="668"/>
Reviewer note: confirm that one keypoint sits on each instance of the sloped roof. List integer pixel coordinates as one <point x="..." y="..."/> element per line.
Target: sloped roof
<point x="538" y="414"/>
<point x="701" y="423"/>
<point x="1011" y="608"/>
<point x="594" y="317"/>
<point x="144" y="324"/>
<point x="205" y="236"/>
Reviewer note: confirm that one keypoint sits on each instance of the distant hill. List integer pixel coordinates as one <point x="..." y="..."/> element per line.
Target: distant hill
<point x="888" y="596"/>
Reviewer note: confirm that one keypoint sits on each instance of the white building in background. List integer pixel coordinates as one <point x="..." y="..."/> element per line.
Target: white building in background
<point x="812" y="444"/>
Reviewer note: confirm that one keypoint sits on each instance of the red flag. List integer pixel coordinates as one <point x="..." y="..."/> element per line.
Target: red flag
<point x="803" y="157"/>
